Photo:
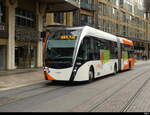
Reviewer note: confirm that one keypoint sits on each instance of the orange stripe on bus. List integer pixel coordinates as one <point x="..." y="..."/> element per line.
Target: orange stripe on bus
<point x="126" y="67"/>
<point x="46" y="38"/>
<point x="48" y="77"/>
<point x="132" y="62"/>
<point x="127" y="42"/>
<point x="102" y="57"/>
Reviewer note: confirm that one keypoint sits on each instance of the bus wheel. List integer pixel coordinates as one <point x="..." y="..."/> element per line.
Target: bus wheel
<point x="91" y="75"/>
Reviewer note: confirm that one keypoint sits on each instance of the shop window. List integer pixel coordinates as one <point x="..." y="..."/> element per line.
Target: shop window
<point x="2" y="57"/>
<point x="25" y="56"/>
<point x="59" y="17"/>
<point x="1" y="13"/>
<point x="25" y="18"/>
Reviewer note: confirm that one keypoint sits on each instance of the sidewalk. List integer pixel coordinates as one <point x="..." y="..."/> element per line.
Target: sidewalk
<point x="20" y="77"/>
<point x="25" y="77"/>
<point x="141" y="62"/>
<point x="18" y="71"/>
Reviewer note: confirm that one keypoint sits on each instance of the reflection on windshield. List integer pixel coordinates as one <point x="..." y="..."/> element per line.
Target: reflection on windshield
<point x="60" y="48"/>
<point x="60" y="54"/>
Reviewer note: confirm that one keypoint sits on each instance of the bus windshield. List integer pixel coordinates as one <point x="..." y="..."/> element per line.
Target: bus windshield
<point x="60" y="47"/>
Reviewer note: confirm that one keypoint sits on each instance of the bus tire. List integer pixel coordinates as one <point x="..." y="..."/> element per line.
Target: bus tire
<point x="91" y="75"/>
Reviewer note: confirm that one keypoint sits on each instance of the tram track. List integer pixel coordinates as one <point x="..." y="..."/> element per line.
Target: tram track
<point x="15" y="91"/>
<point x="107" y="98"/>
<point x="50" y="88"/>
<point x="101" y="97"/>
<point x="100" y="103"/>
<point x="51" y="91"/>
<point x="133" y="98"/>
<point x="10" y="97"/>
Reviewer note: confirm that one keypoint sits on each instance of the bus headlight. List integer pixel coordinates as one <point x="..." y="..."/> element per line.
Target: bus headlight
<point x="46" y="69"/>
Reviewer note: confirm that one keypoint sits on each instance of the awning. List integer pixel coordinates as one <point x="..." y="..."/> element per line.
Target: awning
<point x="60" y="5"/>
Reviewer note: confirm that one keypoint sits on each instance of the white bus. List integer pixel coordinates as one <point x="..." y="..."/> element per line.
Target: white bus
<point x="84" y="53"/>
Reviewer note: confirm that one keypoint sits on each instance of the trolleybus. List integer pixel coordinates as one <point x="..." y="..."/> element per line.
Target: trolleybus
<point x="84" y="53"/>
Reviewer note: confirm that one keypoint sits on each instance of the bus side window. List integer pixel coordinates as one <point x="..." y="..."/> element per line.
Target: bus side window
<point x="82" y="51"/>
<point x="102" y="45"/>
<point x="130" y="51"/>
<point x="85" y="49"/>
<point x="97" y="47"/>
<point x="122" y="49"/>
<point x="113" y="50"/>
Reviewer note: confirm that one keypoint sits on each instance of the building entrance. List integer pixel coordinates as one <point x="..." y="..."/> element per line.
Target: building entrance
<point x="25" y="56"/>
<point x="2" y="57"/>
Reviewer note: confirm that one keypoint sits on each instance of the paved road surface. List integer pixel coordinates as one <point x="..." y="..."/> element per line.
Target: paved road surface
<point x="125" y="92"/>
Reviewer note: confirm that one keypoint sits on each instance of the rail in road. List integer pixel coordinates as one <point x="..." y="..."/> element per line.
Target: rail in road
<point x="139" y="81"/>
<point x="28" y="92"/>
<point x="119" y="93"/>
<point x="131" y="100"/>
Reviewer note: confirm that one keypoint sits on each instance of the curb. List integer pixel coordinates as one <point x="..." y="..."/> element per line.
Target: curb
<point x="18" y="71"/>
<point x="142" y="62"/>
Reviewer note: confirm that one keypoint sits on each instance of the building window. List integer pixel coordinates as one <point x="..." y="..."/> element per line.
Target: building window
<point x="25" y="18"/>
<point x="87" y="2"/>
<point x="100" y="9"/>
<point x="76" y="18"/>
<point x="86" y="20"/>
<point x="1" y="13"/>
<point x="59" y="17"/>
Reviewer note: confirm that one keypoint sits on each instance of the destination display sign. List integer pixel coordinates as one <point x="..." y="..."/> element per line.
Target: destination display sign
<point x="66" y="37"/>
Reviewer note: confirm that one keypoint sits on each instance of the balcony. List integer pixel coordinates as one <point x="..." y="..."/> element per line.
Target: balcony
<point x="61" y="5"/>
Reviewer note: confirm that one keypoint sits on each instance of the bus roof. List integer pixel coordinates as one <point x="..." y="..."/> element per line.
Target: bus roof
<point x="90" y="31"/>
<point x="50" y="28"/>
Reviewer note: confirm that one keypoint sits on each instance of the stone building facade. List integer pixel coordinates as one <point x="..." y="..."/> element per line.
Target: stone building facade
<point x="21" y="23"/>
<point x="125" y="18"/>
